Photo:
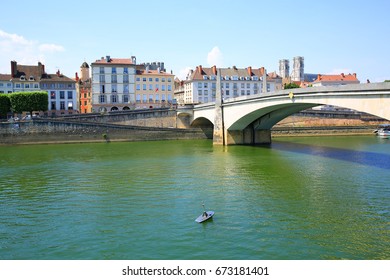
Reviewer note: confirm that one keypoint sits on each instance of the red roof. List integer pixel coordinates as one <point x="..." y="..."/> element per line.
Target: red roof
<point x="336" y="78"/>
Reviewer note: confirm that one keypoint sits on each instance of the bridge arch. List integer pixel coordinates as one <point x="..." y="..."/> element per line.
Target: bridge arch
<point x="205" y="124"/>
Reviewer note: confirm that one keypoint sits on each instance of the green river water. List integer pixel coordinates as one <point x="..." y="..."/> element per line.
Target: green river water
<point x="299" y="198"/>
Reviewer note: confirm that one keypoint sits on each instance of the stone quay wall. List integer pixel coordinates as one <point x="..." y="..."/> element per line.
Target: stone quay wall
<point x="61" y="131"/>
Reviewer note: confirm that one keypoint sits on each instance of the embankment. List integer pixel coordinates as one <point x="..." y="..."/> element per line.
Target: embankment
<point x="52" y="131"/>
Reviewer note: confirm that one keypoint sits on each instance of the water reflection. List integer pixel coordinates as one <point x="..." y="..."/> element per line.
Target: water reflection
<point x="361" y="157"/>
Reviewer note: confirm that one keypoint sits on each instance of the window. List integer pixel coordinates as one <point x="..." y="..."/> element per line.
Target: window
<point x="163" y="98"/>
<point x="143" y="86"/>
<point x="62" y="105"/>
<point x="114" y="98"/>
<point x="144" y="79"/>
<point x="150" y="79"/>
<point x="114" y="88"/>
<point x="163" y="87"/>
<point x="227" y="85"/>
<point x="169" y="87"/>
<point x="248" y="85"/>
<point x="145" y="98"/>
<point x="138" y="98"/>
<point x="53" y="105"/>
<point x="150" y="87"/>
<point x="151" y="98"/>
<point x="102" y="98"/>
<point x="27" y="86"/>
<point x="242" y="92"/>
<point x="169" y="80"/>
<point x="36" y="86"/>
<point x="227" y="92"/>
<point x="126" y="70"/>
<point x="52" y="94"/>
<point x="138" y="79"/>
<point x="205" y="85"/>
<point x="138" y="87"/>
<point x="114" y="79"/>
<point x="125" y="79"/>
<point x="199" y="85"/>
<point x="101" y="70"/>
<point x="17" y="85"/>
<point x="157" y="79"/>
<point x="102" y="89"/>
<point x="163" y="80"/>
<point x="70" y="94"/>
<point x="113" y="70"/>
<point x="126" y="89"/>
<point x="70" y="105"/>
<point x="248" y="92"/>
<point x="125" y="98"/>
<point x="157" y="98"/>
<point x="62" y="96"/>
<point x="242" y="85"/>
<point x="199" y="92"/>
<point x="102" y="79"/>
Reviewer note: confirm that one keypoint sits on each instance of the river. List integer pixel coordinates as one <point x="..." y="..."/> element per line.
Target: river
<point x="299" y="198"/>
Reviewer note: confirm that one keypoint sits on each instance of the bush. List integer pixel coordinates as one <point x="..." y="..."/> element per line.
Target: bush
<point x="5" y="105"/>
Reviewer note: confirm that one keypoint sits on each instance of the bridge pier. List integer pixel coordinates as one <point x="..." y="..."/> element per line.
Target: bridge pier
<point x="248" y="136"/>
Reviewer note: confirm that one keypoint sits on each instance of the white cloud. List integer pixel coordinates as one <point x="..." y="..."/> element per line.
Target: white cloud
<point x="23" y="51"/>
<point x="51" y="48"/>
<point x="215" y="57"/>
<point x="183" y="73"/>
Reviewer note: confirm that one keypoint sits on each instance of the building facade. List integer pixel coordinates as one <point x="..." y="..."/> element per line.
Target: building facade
<point x="113" y="84"/>
<point x="61" y="89"/>
<point x="62" y="94"/>
<point x="153" y="88"/>
<point x="200" y="84"/>
<point x="298" y="72"/>
<point x="84" y="89"/>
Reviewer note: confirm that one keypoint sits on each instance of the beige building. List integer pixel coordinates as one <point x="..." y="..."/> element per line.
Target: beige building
<point x="153" y="88"/>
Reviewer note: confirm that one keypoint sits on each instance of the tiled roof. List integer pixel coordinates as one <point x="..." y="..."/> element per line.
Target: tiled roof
<point x="58" y="77"/>
<point x="152" y="72"/>
<point x="123" y="61"/>
<point x="5" y="77"/>
<point x="29" y="71"/>
<point x="200" y="71"/>
<point x="336" y="78"/>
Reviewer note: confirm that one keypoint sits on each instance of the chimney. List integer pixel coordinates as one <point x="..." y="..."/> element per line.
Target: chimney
<point x="14" y="68"/>
<point x="249" y="71"/>
<point x="200" y="70"/>
<point x="58" y="72"/>
<point x="76" y="77"/>
<point x="354" y="74"/>
<point x="261" y="71"/>
<point x="342" y="75"/>
<point x="319" y="77"/>
<point x="214" y="68"/>
<point x="108" y="58"/>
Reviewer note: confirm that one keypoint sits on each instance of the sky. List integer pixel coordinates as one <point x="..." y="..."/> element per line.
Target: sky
<point x="333" y="36"/>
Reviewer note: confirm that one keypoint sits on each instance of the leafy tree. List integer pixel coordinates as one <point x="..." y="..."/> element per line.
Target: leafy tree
<point x="290" y="85"/>
<point x="387" y="81"/>
<point x="5" y="105"/>
<point x="29" y="101"/>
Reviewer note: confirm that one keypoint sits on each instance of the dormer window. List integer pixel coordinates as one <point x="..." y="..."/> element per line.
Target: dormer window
<point x="22" y="78"/>
<point x="31" y="78"/>
<point x="204" y="77"/>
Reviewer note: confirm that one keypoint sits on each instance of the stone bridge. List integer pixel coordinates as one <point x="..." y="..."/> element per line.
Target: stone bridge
<point x="249" y="119"/>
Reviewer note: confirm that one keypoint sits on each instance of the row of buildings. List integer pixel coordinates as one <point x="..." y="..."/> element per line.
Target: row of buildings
<point x="116" y="84"/>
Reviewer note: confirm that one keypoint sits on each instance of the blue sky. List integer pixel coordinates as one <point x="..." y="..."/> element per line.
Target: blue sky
<point x="332" y="36"/>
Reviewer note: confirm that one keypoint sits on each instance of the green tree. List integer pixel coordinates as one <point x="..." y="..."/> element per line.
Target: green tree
<point x="5" y="105"/>
<point x="290" y="85"/>
<point x="29" y="101"/>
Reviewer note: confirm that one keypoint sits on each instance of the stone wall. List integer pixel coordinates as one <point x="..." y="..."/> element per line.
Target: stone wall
<point x="60" y="131"/>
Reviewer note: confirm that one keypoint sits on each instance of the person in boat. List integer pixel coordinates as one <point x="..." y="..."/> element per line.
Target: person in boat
<point x="205" y="214"/>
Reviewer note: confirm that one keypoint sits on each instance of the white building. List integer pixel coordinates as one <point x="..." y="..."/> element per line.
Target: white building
<point x="200" y="85"/>
<point x="113" y="84"/>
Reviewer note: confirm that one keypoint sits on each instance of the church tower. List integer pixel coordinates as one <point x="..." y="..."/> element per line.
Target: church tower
<point x="298" y="69"/>
<point x="84" y="72"/>
<point x="284" y="68"/>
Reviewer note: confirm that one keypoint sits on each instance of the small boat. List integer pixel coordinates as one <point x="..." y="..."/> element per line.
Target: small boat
<point x="205" y="215"/>
<point x="383" y="130"/>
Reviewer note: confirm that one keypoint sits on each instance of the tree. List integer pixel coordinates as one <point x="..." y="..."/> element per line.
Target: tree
<point x="290" y="85"/>
<point x="29" y="101"/>
<point x="5" y="105"/>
